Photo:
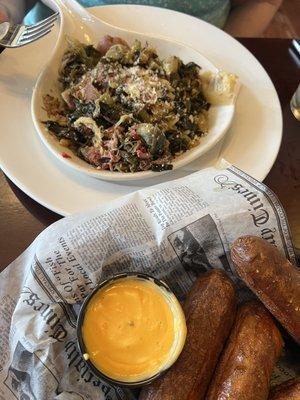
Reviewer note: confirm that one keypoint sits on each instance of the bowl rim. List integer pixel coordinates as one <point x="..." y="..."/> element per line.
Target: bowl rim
<point x="80" y="319"/>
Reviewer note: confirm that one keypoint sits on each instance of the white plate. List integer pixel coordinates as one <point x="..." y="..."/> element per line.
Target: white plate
<point x="252" y="143"/>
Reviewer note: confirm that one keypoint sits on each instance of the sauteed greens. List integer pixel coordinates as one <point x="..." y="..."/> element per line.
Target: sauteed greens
<point x="124" y="109"/>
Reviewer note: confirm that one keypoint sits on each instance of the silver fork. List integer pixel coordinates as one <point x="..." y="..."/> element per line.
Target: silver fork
<point x="20" y="35"/>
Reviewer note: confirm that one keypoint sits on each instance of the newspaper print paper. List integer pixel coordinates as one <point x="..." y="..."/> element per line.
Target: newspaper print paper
<point x="174" y="231"/>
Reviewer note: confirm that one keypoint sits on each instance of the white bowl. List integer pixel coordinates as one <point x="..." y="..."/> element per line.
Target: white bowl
<point x="220" y="117"/>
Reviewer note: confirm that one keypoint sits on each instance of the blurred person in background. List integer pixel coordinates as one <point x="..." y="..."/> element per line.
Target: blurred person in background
<point x="241" y="18"/>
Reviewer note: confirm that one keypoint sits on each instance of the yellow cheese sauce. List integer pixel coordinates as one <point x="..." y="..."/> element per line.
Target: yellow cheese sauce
<point x="133" y="329"/>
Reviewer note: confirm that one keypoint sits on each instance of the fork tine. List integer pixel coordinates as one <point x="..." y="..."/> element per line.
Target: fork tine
<point x="44" y="22"/>
<point x="32" y="39"/>
<point x="31" y="36"/>
<point x="35" y="36"/>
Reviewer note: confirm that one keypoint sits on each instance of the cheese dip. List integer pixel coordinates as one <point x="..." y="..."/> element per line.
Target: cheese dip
<point x="133" y="329"/>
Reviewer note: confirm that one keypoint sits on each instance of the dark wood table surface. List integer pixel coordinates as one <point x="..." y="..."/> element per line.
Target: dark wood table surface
<point x="22" y="219"/>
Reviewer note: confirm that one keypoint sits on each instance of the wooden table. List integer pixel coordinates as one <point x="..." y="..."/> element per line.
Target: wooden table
<point x="22" y="219"/>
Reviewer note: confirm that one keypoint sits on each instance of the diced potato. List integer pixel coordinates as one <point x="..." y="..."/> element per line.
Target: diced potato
<point x="219" y="88"/>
